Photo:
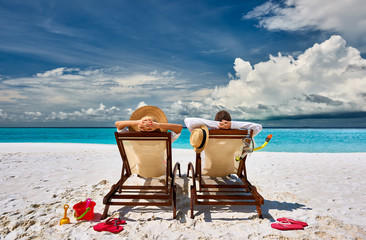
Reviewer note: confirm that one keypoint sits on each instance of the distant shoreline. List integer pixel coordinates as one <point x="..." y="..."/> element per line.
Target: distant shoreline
<point x="315" y="140"/>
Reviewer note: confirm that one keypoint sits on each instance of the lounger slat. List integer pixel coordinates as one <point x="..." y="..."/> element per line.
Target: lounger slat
<point x="232" y="197"/>
<point x="139" y="139"/>
<point x="137" y="196"/>
<point x="225" y="203"/>
<point x="145" y="187"/>
<point x="142" y="204"/>
<point x="152" y="191"/>
<point x="225" y="191"/>
<point x="223" y="186"/>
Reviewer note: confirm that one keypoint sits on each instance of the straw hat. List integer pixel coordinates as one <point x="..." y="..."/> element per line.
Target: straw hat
<point x="199" y="138"/>
<point x="155" y="113"/>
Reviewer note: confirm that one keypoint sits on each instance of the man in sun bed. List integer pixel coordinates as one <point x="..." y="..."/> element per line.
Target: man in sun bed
<point x="222" y="121"/>
<point x="149" y="119"/>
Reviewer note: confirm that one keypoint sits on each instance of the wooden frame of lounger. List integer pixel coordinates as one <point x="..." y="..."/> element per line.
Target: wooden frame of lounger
<point x="153" y="195"/>
<point x="224" y="194"/>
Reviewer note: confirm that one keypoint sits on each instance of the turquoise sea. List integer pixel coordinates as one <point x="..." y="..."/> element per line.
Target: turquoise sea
<point x="314" y="140"/>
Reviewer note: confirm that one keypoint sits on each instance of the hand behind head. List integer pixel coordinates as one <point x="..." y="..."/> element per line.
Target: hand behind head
<point x="147" y="125"/>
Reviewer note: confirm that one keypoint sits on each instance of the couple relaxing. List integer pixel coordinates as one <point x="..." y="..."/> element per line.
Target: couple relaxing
<point x="145" y="147"/>
<point x="151" y="118"/>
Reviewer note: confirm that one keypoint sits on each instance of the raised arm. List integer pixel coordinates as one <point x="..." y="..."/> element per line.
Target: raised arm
<point x="192" y="123"/>
<point x="247" y="125"/>
<point x="177" y="128"/>
<point x="148" y="126"/>
<point x="128" y="123"/>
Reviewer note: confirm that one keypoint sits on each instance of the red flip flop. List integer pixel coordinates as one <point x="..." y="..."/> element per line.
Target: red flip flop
<point x="286" y="226"/>
<point x="288" y="220"/>
<point x="111" y="225"/>
<point x="113" y="221"/>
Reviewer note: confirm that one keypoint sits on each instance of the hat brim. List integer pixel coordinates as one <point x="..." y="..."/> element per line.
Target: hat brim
<point x="151" y="111"/>
<point x="206" y="134"/>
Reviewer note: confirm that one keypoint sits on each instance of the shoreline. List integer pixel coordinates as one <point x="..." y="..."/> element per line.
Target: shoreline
<point x="174" y="148"/>
<point x="325" y="190"/>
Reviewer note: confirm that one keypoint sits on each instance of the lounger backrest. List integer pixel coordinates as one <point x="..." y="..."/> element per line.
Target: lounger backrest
<point x="222" y="148"/>
<point x="147" y="154"/>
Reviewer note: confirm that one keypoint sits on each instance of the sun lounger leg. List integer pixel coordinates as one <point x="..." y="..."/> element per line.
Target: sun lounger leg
<point x="174" y="203"/>
<point x="259" y="210"/>
<point x="105" y="213"/>
<point x="192" y="201"/>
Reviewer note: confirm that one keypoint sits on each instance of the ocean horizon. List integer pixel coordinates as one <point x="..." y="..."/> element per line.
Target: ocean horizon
<point x="309" y="140"/>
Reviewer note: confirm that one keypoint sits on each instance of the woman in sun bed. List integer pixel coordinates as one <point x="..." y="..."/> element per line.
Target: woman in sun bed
<point x="149" y="119"/>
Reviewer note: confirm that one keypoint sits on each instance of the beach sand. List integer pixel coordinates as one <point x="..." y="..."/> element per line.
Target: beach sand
<point x="326" y="190"/>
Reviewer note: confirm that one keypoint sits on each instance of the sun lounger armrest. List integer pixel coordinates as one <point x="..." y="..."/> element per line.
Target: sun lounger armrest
<point x="176" y="167"/>
<point x="190" y="167"/>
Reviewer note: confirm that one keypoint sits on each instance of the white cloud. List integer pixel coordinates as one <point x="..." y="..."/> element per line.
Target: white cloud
<point x="52" y="73"/>
<point x="129" y="111"/>
<point x="99" y="114"/>
<point x="32" y="115"/>
<point x="344" y="17"/>
<point x="77" y="88"/>
<point x="179" y="110"/>
<point x="214" y="51"/>
<point x="10" y="95"/>
<point x="71" y="94"/>
<point x="3" y="115"/>
<point x="141" y="104"/>
<point x="328" y="77"/>
<point x="168" y="73"/>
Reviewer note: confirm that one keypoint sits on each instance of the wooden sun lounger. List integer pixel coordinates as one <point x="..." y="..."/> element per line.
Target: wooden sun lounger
<point x="217" y="187"/>
<point x="149" y="156"/>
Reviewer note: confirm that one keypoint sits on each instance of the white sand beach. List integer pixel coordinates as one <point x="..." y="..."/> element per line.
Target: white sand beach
<point x="327" y="191"/>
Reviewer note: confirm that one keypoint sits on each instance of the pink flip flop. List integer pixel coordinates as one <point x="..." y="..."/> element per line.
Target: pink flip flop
<point x="286" y="226"/>
<point x="288" y="220"/>
<point x="111" y="225"/>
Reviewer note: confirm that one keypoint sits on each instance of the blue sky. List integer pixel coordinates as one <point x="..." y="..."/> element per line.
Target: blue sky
<point x="90" y="63"/>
